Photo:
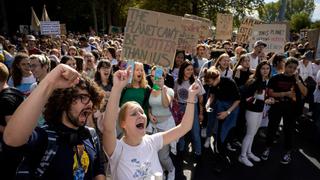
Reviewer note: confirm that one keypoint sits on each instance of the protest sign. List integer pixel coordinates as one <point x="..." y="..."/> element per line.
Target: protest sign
<point x="189" y="35"/>
<point x="224" y="26"/>
<point x="151" y="37"/>
<point x="50" y="27"/>
<point x="245" y="29"/>
<point x="274" y="35"/>
<point x="206" y="24"/>
<point x="312" y="36"/>
<point x="63" y="29"/>
<point x="317" y="54"/>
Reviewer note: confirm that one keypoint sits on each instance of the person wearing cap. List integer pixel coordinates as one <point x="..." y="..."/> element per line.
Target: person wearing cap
<point x="32" y="46"/>
<point x="254" y="55"/>
<point x="306" y="72"/>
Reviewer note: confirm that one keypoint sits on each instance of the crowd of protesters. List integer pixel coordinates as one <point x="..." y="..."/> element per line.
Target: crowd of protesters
<point x="68" y="111"/>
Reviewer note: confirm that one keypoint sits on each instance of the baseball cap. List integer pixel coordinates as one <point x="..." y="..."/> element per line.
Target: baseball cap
<point x="260" y="43"/>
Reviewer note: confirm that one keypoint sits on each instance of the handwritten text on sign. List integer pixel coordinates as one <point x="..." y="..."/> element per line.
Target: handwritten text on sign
<point x="246" y="29"/>
<point x="189" y="36"/>
<point x="50" y="27"/>
<point x="151" y="37"/>
<point x="275" y="35"/>
<point x="224" y="26"/>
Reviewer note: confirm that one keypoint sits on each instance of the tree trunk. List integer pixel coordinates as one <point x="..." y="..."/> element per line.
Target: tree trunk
<point x="282" y="10"/>
<point x="94" y="14"/>
<point x="4" y="24"/>
<point x="195" y="7"/>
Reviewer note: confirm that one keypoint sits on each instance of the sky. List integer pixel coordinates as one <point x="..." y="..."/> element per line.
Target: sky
<point x="316" y="13"/>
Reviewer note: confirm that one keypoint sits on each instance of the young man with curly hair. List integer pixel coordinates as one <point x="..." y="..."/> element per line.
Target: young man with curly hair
<point x="64" y="148"/>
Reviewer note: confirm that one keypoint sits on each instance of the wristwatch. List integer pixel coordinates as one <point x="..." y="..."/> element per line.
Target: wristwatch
<point x="228" y="112"/>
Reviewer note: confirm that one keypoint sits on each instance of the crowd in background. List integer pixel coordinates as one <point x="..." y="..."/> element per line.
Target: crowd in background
<point x="241" y="91"/>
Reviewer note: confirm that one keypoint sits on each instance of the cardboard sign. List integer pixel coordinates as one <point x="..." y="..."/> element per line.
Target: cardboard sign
<point x="151" y="37"/>
<point x="224" y="26"/>
<point x="245" y="29"/>
<point x="189" y="35"/>
<point x="275" y="35"/>
<point x="317" y="53"/>
<point x="50" y="27"/>
<point x="206" y="24"/>
<point x="312" y="36"/>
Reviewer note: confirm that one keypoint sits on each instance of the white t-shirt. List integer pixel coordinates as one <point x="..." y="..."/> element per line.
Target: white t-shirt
<point x="136" y="162"/>
<point x="253" y="61"/>
<point x="305" y="71"/>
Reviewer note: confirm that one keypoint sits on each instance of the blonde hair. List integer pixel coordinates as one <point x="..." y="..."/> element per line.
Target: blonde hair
<point x="123" y="111"/>
<point x="224" y="55"/>
<point x="143" y="83"/>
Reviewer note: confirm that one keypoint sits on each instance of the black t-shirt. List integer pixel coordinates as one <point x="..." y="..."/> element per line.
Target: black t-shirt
<point x="10" y="99"/>
<point x="61" y="166"/>
<point x="226" y="90"/>
<point x="284" y="83"/>
<point x="244" y="76"/>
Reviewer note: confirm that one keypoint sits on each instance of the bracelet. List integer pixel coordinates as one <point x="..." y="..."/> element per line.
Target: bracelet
<point x="188" y="102"/>
<point x="298" y="82"/>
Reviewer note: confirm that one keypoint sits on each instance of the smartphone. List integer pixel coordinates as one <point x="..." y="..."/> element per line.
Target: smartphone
<point x="130" y="63"/>
<point x="158" y="73"/>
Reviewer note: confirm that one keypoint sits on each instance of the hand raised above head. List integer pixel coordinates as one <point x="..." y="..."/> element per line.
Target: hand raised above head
<point x="62" y="76"/>
<point x="121" y="78"/>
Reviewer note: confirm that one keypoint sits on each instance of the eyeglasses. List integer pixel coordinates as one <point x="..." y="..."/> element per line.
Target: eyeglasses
<point x="84" y="98"/>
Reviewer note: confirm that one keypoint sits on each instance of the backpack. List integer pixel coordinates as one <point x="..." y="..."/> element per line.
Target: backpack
<point x="24" y="171"/>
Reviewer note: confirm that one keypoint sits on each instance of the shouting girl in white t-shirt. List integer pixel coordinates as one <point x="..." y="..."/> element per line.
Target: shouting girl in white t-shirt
<point x="135" y="156"/>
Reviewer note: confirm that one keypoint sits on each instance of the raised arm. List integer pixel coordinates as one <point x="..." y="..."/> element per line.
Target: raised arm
<point x="120" y="80"/>
<point x="25" y="118"/>
<point x="187" y="120"/>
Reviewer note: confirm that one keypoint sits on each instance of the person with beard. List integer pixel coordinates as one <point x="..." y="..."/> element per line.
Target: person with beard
<point x="65" y="148"/>
<point x="254" y="55"/>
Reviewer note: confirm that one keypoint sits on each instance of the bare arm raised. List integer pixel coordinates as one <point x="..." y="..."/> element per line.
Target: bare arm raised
<point x="25" y="118"/>
<point x="187" y="120"/>
<point x="120" y="80"/>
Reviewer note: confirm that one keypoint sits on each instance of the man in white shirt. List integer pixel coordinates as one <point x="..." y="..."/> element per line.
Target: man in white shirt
<point x="254" y="55"/>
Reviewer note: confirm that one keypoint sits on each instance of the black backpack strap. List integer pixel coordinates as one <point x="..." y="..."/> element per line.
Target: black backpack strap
<point x="24" y="171"/>
<point x="50" y="152"/>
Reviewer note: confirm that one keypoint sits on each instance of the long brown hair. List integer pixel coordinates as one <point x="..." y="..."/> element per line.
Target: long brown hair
<point x="16" y="72"/>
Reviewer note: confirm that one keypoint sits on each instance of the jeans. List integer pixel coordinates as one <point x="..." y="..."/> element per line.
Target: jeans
<point x="195" y="132"/>
<point x="287" y="111"/>
<point x="226" y="124"/>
